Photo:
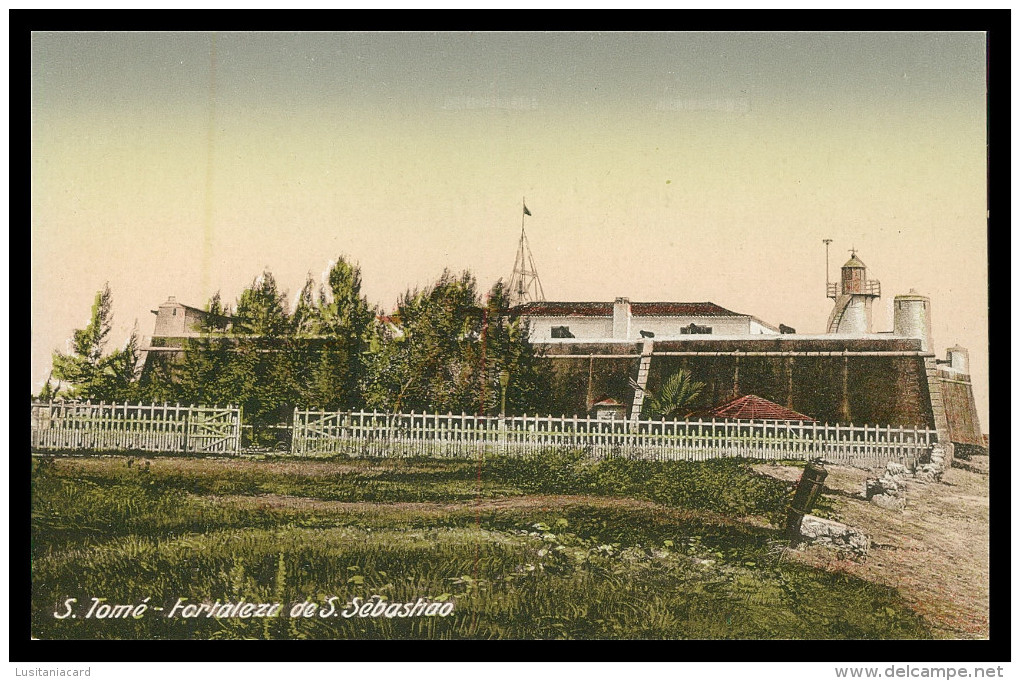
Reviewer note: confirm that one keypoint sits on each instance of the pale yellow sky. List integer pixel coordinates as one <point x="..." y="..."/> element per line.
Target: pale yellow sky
<point x="659" y="166"/>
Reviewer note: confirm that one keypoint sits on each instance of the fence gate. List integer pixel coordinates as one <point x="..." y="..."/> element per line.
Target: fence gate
<point x="213" y="431"/>
<point x="318" y="432"/>
<point x="105" y="426"/>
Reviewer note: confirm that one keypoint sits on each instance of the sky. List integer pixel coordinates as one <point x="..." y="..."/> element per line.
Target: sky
<point x="658" y="166"/>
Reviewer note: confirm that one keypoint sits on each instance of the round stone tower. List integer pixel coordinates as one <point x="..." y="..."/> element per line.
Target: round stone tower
<point x="912" y="318"/>
<point x="852" y="311"/>
<point x="959" y="359"/>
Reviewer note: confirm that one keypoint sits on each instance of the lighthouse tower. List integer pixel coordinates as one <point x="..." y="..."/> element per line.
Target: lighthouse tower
<point x="854" y="294"/>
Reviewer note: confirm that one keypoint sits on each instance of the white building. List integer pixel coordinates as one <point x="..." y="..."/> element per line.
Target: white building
<point x="623" y="320"/>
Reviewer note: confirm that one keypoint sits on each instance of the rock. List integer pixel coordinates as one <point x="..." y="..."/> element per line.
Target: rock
<point x="928" y="473"/>
<point x="889" y="491"/>
<point x="815" y="530"/>
<point x="882" y="485"/>
<point x="889" y="501"/>
<point x="894" y="469"/>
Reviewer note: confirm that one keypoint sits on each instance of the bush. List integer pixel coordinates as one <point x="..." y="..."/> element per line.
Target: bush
<point x="727" y="486"/>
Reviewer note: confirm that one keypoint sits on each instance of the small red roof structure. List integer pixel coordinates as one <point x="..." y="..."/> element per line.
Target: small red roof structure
<point x="751" y="407"/>
<point x="609" y="402"/>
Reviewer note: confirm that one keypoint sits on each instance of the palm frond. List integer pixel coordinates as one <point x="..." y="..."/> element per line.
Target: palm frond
<point x="676" y="394"/>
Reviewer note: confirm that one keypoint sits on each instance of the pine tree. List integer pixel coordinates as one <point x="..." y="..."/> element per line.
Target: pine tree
<point x="262" y="309"/>
<point x="509" y="351"/>
<point x="343" y="322"/>
<point x="261" y="369"/>
<point x="49" y="391"/>
<point x="449" y="353"/>
<point x="91" y="374"/>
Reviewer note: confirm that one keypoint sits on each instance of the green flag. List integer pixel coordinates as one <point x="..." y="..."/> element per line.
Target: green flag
<point x="526" y="211"/>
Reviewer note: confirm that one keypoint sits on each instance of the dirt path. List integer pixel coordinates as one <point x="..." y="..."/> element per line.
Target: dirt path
<point x="935" y="551"/>
<point x="531" y="502"/>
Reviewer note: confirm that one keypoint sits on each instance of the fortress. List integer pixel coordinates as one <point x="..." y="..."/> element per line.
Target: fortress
<point x="850" y="374"/>
<point x="616" y="352"/>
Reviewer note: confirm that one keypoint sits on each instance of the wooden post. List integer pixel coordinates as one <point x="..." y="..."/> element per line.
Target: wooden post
<point x="804" y="498"/>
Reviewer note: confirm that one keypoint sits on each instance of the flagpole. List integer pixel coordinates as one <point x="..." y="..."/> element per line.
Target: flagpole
<point x="522" y="255"/>
<point x="525" y="275"/>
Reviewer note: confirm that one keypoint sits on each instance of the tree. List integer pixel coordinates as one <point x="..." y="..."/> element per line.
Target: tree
<point x="333" y="364"/>
<point x="304" y="321"/>
<point x="428" y="363"/>
<point x="262" y="309"/>
<point x="675" y="397"/>
<point x="123" y="369"/>
<point x="260" y="369"/>
<point x="509" y="351"/>
<point x="448" y="351"/>
<point x="92" y="374"/>
<point x="199" y="373"/>
<point x="49" y="391"/>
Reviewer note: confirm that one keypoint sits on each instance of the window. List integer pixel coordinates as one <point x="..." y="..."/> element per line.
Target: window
<point x="561" y="332"/>
<point x="695" y="328"/>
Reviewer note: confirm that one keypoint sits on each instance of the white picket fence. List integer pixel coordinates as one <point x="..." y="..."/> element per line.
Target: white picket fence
<point x="173" y="428"/>
<point x="368" y="434"/>
<point x="105" y="426"/>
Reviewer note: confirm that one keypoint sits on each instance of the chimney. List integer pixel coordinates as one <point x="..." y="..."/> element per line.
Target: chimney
<point x="621" y="319"/>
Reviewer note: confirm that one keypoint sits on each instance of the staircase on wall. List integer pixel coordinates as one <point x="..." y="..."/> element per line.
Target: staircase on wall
<point x="837" y="312"/>
<point x="642" y="379"/>
<point x="938" y="406"/>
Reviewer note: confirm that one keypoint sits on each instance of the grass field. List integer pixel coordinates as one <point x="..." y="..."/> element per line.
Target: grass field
<point x="553" y="547"/>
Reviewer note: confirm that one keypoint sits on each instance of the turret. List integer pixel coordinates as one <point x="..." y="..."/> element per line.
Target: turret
<point x="912" y="318"/>
<point x="959" y="359"/>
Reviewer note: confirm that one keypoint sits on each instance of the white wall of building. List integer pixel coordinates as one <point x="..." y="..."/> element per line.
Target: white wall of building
<point x="581" y="327"/>
<point x="757" y="328"/>
<point x="601" y="328"/>
<point x="669" y="327"/>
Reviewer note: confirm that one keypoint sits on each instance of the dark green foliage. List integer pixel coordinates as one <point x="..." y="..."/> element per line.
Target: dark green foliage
<point x="91" y="373"/>
<point x="331" y="371"/>
<point x="674" y="397"/>
<point x="48" y="391"/>
<point x="449" y="351"/>
<point x="508" y="352"/>
<point x="444" y="352"/>
<point x="430" y="364"/>
<point x="269" y="361"/>
<point x="262" y="309"/>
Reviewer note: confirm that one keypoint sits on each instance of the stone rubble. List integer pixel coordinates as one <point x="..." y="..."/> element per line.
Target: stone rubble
<point x="815" y="530"/>
<point x="932" y="471"/>
<point x="889" y="491"/>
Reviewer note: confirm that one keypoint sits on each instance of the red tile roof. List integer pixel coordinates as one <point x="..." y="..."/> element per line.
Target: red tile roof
<point x="557" y="309"/>
<point x="680" y="309"/>
<point x="609" y="402"/>
<point x="751" y="407"/>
